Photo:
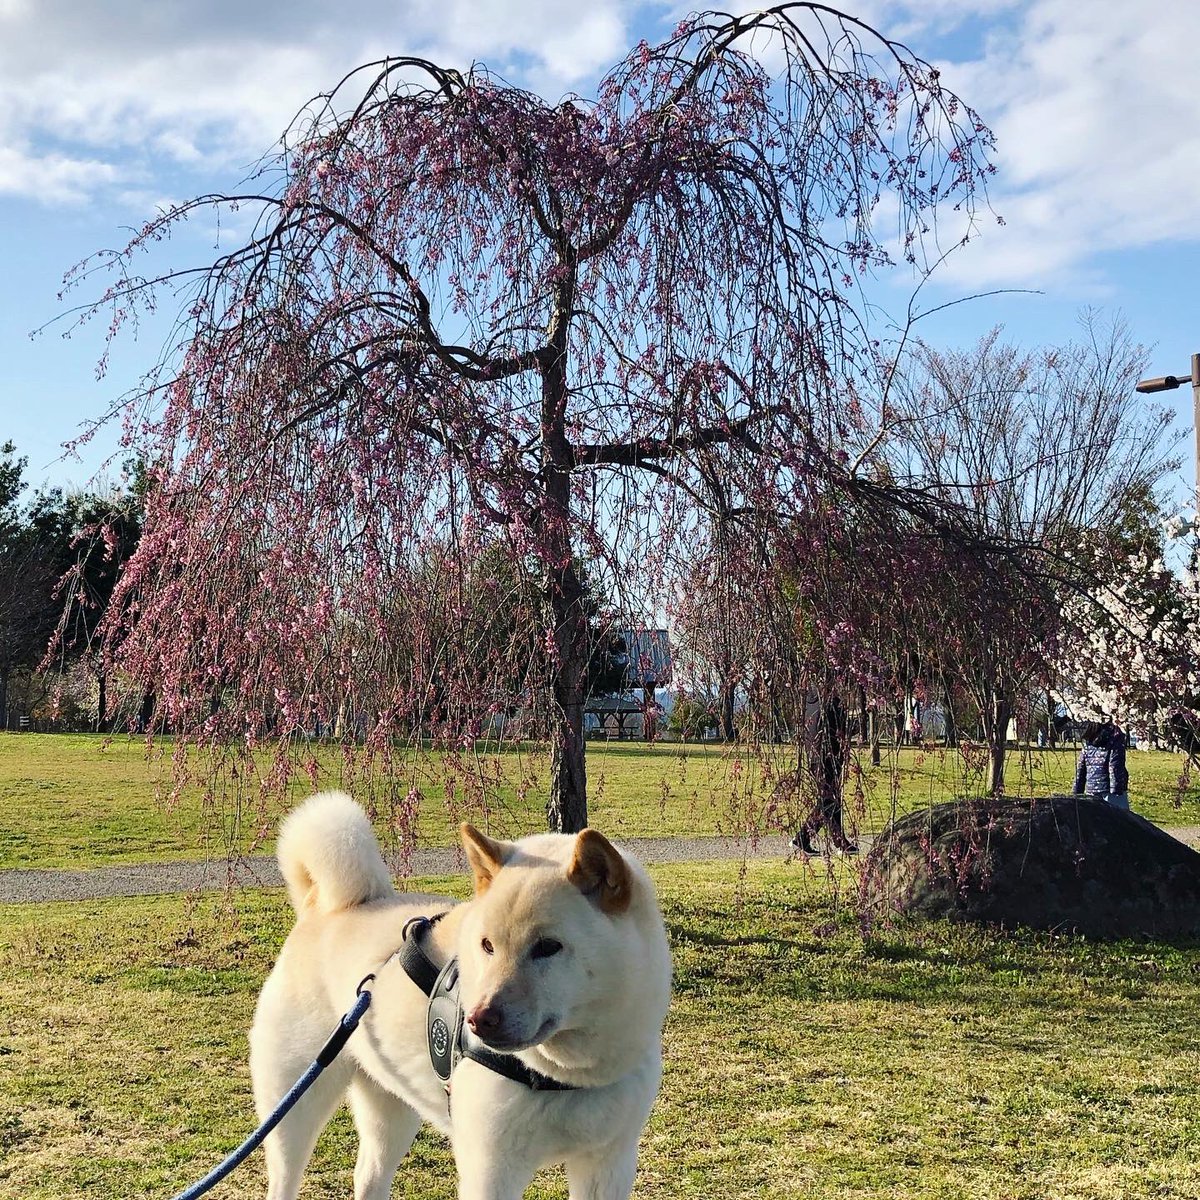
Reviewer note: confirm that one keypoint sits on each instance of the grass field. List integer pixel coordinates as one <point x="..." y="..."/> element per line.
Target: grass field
<point x="802" y="1058"/>
<point x="78" y="801"/>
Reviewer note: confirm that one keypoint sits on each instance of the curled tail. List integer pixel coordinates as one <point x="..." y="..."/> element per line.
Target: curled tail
<point x="329" y="855"/>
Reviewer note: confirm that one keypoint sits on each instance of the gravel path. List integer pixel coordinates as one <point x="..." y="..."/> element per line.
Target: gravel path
<point x="153" y="879"/>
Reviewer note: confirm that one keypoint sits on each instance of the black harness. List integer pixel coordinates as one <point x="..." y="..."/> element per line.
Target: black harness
<point x="449" y="1038"/>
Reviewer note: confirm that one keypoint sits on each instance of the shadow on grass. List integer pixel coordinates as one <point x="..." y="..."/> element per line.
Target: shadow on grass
<point x="933" y="963"/>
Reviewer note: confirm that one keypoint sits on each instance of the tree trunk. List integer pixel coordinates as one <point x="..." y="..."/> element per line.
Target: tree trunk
<point x="4" y="697"/>
<point x="102" y="703"/>
<point x="566" y="808"/>
<point x="998" y="743"/>
<point x="728" y="726"/>
<point x="832" y="739"/>
<point x="825" y="760"/>
<point x="950" y="719"/>
<point x="779" y="726"/>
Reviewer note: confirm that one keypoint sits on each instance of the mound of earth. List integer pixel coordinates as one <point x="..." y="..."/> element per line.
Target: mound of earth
<point x="1064" y="863"/>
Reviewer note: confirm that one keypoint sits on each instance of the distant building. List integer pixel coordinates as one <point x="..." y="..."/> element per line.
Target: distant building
<point x="637" y="661"/>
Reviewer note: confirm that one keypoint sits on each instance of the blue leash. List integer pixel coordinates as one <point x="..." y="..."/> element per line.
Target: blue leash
<point x="326" y="1055"/>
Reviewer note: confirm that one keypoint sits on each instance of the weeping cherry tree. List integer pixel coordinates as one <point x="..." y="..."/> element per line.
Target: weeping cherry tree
<point x="470" y="317"/>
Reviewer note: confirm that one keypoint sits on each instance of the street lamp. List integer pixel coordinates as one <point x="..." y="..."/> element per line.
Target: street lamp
<point x="1168" y="383"/>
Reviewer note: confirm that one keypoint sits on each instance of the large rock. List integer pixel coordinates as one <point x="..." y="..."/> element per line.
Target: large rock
<point x="1061" y="862"/>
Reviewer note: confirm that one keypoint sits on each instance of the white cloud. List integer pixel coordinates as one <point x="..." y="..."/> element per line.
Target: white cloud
<point x="96" y="95"/>
<point x="56" y="178"/>
<point x="1098" y="124"/>
<point x="1097" y="116"/>
<point x="1097" y="119"/>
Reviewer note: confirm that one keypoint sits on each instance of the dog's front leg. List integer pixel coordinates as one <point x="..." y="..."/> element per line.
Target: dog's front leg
<point x="492" y="1177"/>
<point x="386" y="1129"/>
<point x="495" y="1136"/>
<point x="607" y="1176"/>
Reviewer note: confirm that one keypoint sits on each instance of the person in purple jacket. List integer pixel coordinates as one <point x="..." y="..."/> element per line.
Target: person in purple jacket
<point x="1101" y="770"/>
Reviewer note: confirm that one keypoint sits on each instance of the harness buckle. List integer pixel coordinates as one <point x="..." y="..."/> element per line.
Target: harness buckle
<point x="444" y="1021"/>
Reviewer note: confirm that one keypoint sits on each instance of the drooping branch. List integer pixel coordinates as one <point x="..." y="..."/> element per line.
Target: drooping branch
<point x="471" y="321"/>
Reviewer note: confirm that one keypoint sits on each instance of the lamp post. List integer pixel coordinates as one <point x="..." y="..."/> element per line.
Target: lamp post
<point x="1167" y="383"/>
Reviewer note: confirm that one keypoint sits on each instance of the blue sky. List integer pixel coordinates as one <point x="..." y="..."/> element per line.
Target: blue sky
<point x="109" y="110"/>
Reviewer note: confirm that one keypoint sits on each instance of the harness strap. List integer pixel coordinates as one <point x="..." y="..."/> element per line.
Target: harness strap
<point x="449" y="1038"/>
<point x="510" y="1066"/>
<point x="418" y="966"/>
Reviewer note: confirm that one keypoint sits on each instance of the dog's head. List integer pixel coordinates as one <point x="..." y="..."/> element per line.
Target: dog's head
<point x="542" y="943"/>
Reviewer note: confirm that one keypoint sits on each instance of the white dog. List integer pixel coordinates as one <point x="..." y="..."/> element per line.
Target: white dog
<point x="563" y="965"/>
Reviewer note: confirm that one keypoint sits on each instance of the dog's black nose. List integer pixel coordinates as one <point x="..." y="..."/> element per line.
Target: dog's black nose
<point x="485" y="1020"/>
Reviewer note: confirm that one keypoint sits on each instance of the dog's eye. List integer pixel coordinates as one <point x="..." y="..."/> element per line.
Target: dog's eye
<point x="546" y="948"/>
<point x="488" y="948"/>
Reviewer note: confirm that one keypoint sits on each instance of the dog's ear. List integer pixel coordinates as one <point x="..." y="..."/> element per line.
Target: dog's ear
<point x="485" y="856"/>
<point x="600" y="873"/>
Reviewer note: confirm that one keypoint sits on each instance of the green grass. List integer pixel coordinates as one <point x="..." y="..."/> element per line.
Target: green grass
<point x="81" y="801"/>
<point x="937" y="1063"/>
<point x="70" y="800"/>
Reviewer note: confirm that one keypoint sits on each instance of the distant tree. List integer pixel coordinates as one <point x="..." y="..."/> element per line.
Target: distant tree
<point x="1049" y="449"/>
<point x="99" y="532"/>
<point x="1133" y="649"/>
<point x="12" y="484"/>
<point x="34" y="535"/>
<point x="608" y="664"/>
<point x="722" y="619"/>
<point x="60" y="555"/>
<point x="18" y="574"/>
<point x="461" y="301"/>
<point x="823" y="618"/>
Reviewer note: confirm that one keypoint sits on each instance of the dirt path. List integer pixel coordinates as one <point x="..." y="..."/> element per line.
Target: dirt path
<point x="150" y="879"/>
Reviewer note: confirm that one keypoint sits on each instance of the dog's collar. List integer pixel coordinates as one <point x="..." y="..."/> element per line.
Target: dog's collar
<point x="447" y="1034"/>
